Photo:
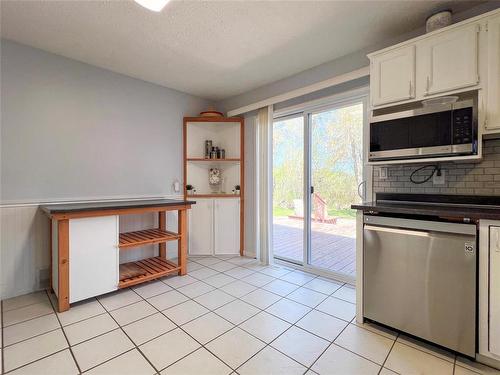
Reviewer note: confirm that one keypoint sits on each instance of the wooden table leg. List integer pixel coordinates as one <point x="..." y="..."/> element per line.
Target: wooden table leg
<point x="182" y="244"/>
<point x="63" y="264"/>
<point x="162" y="224"/>
<point x="50" y="253"/>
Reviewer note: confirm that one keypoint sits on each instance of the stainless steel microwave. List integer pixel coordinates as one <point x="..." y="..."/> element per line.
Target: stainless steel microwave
<point x="434" y="131"/>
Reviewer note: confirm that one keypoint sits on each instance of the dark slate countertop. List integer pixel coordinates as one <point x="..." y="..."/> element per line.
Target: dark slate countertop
<point x="473" y="207"/>
<point x="98" y="206"/>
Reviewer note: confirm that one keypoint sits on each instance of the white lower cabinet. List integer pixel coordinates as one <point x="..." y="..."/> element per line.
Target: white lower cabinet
<point x="214" y="227"/>
<point x="93" y="257"/>
<point x="489" y="291"/>
<point x="227" y="226"/>
<point x="494" y="295"/>
<point x="201" y="229"/>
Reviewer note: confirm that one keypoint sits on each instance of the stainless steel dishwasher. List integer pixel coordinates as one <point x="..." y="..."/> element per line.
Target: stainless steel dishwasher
<point x="420" y="278"/>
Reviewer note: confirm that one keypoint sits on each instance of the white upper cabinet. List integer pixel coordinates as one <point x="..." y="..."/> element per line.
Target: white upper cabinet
<point x="227" y="226"/>
<point x="448" y="61"/>
<point x="492" y="117"/>
<point x="392" y="76"/>
<point x="462" y="57"/>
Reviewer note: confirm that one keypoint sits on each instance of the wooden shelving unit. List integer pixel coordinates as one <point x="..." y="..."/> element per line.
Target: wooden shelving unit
<point x="145" y="237"/>
<point x="152" y="267"/>
<point x="217" y="221"/>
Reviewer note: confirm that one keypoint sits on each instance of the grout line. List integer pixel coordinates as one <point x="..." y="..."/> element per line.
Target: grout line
<point x="64" y="333"/>
<point x="430" y="352"/>
<point x="209" y="310"/>
<point x="31" y="337"/>
<point x="324" y="351"/>
<point x="36" y="360"/>
<point x="27" y="320"/>
<point x="282" y="333"/>
<point x="189" y="298"/>
<point x="2" y="354"/>
<point x="179" y="327"/>
<point x="389" y="353"/>
<point x="29" y="304"/>
<point x="126" y="334"/>
<point x="82" y="320"/>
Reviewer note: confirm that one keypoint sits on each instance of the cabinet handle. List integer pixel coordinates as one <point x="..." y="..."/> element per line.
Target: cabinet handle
<point x="497" y="242"/>
<point x="409" y="92"/>
<point x="428" y="84"/>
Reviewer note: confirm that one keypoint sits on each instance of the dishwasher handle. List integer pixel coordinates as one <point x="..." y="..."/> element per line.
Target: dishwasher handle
<point x="396" y="231"/>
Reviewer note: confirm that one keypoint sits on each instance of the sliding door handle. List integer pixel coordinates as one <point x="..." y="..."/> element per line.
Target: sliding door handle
<point x="312" y="189"/>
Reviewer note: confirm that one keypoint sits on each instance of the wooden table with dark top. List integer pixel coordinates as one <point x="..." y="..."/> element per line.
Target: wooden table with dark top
<point x="152" y="268"/>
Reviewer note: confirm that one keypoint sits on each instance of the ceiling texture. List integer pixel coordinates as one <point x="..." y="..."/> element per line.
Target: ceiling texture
<point x="212" y="49"/>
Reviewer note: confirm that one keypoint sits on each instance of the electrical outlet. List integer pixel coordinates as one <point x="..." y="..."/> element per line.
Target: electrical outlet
<point x="438" y="180"/>
<point x="383" y="173"/>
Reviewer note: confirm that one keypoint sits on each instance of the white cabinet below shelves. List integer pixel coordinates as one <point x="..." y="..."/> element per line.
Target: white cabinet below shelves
<point x="493" y="85"/>
<point x="200" y="229"/>
<point x="227" y="226"/>
<point x="448" y="61"/>
<point x="392" y="76"/>
<point x="494" y="293"/>
<point x="214" y="227"/>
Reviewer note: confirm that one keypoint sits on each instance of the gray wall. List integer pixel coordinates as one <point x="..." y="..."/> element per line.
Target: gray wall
<point x="335" y="67"/>
<point x="460" y="178"/>
<point x="72" y="130"/>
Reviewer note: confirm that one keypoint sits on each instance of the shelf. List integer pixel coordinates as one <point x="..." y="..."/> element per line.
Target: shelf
<point x="153" y="268"/>
<point x="213" y="196"/>
<point x="145" y="237"/>
<point x="214" y="160"/>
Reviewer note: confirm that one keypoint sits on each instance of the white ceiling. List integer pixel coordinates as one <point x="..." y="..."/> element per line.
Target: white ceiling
<point x="213" y="49"/>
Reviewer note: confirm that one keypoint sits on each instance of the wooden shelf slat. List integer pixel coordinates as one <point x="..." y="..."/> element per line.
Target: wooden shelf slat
<point x="146" y="236"/>
<point x="153" y="268"/>
<point x="214" y="160"/>
<point x="213" y="196"/>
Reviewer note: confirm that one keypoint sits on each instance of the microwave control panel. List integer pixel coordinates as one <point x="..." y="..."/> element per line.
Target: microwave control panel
<point x="463" y="130"/>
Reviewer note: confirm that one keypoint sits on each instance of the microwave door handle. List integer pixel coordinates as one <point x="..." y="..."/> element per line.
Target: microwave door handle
<point x="361" y="194"/>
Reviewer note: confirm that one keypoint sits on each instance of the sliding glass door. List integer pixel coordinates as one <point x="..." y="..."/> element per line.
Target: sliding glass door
<point x="317" y="170"/>
<point x="288" y="189"/>
<point x="336" y="172"/>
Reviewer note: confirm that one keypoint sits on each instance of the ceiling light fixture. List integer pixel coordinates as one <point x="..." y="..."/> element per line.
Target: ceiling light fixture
<point x="154" y="5"/>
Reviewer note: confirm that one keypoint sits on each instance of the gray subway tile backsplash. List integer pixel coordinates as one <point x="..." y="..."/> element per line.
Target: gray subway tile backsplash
<point x="482" y="178"/>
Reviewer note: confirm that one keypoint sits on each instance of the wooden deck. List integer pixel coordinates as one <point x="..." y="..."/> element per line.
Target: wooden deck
<point x="333" y="245"/>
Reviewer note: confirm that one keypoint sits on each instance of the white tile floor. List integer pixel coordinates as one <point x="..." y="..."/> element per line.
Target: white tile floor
<point x="229" y="315"/>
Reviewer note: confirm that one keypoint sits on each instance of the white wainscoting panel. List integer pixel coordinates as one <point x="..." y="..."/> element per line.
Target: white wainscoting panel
<point x="24" y="250"/>
<point x="24" y="246"/>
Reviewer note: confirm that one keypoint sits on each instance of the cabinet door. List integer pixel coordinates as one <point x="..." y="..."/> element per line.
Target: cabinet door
<point x="200" y="230"/>
<point x="93" y="257"/>
<point x="227" y="226"/>
<point x="493" y="63"/>
<point x="392" y="76"/>
<point x="448" y="61"/>
<point x="494" y="295"/>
